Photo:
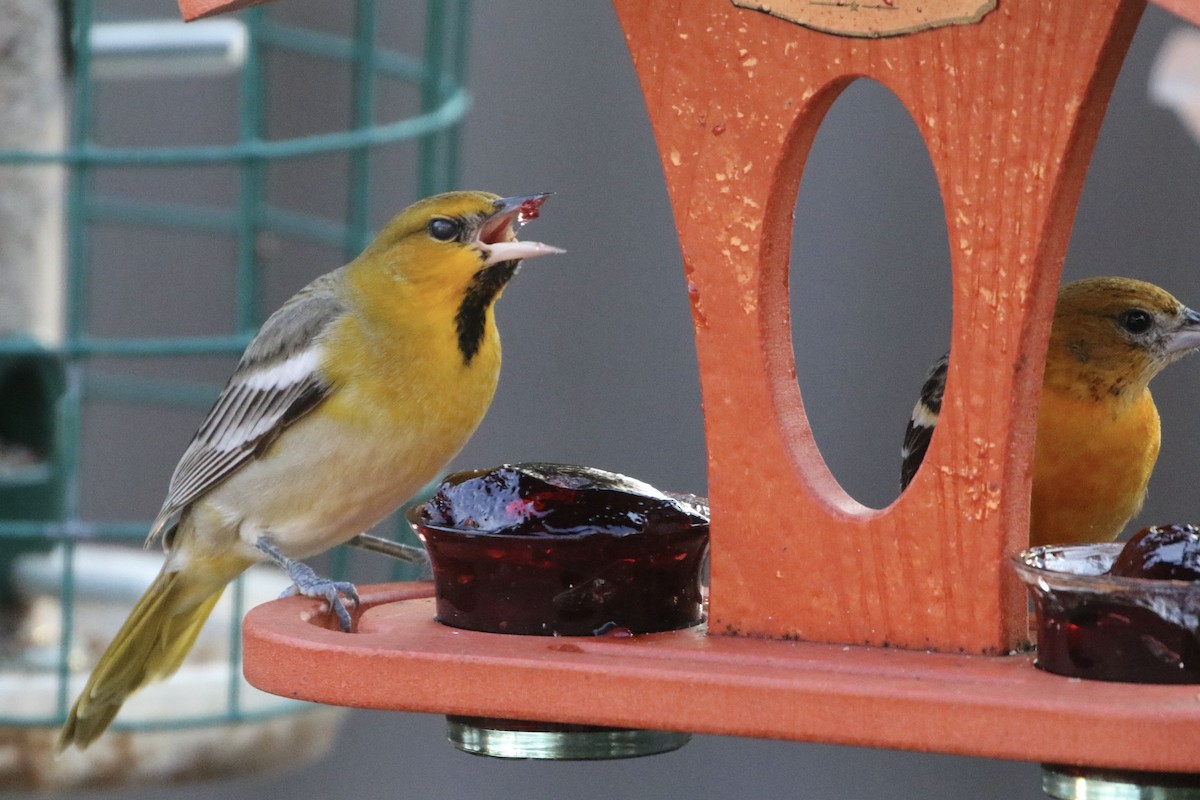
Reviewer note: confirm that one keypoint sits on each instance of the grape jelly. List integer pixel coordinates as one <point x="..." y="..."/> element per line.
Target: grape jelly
<point x="1163" y="552"/>
<point x="563" y="550"/>
<point x="1108" y="612"/>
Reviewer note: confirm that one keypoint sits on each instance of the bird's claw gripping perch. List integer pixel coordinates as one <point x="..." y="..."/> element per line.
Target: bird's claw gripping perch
<point x="308" y="583"/>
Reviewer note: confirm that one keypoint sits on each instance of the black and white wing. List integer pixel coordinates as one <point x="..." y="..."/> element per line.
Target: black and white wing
<point x="922" y="422"/>
<point x="276" y="383"/>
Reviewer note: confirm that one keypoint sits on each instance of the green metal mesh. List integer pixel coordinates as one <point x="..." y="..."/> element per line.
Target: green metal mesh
<point x="40" y="507"/>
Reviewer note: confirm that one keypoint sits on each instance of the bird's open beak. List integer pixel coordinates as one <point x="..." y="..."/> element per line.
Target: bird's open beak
<point x="498" y="234"/>
<point x="1187" y="336"/>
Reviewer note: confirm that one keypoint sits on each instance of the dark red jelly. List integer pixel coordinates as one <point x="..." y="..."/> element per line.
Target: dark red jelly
<point x="530" y="209"/>
<point x="1162" y="552"/>
<point x="1092" y="638"/>
<point x="1126" y="624"/>
<point x="563" y="550"/>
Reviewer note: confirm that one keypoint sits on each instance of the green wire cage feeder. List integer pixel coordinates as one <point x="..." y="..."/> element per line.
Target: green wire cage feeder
<point x="81" y="352"/>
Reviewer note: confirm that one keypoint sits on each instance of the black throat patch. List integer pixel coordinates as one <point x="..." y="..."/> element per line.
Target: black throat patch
<point x="471" y="316"/>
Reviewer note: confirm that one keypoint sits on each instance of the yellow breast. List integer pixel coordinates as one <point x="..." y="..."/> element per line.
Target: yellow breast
<point x="411" y="375"/>
<point x="1092" y="462"/>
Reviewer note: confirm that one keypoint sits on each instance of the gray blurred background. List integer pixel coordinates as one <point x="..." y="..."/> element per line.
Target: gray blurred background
<point x="599" y="359"/>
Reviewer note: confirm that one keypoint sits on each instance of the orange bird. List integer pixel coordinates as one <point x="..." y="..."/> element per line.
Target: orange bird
<point x="1097" y="427"/>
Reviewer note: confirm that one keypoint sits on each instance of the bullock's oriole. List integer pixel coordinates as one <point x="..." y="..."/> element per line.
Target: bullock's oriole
<point x="1097" y="426"/>
<point x="351" y="397"/>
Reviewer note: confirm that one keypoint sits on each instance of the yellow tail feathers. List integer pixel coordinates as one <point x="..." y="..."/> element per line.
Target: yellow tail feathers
<point x="150" y="646"/>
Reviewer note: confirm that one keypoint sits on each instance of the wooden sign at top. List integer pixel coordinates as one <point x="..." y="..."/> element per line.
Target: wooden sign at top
<point x="873" y="18"/>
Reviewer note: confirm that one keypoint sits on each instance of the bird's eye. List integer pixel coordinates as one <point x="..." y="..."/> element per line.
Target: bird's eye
<point x="1135" y="320"/>
<point x="444" y="229"/>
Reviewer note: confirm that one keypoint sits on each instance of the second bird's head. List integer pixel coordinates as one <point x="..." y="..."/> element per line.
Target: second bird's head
<point x="1121" y="332"/>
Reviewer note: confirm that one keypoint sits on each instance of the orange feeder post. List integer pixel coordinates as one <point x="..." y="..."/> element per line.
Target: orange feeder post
<point x="828" y="621"/>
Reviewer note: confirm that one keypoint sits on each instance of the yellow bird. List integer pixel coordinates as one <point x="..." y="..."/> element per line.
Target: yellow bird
<point x="1097" y="426"/>
<point x="351" y="397"/>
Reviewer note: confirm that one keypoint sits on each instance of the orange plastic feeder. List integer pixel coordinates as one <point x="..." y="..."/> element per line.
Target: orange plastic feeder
<point x="828" y="621"/>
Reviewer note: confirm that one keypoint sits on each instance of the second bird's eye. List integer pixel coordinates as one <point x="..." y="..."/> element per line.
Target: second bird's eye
<point x="444" y="229"/>
<point x="1135" y="320"/>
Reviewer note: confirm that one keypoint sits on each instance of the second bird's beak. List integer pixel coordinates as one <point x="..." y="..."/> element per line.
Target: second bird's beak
<point x="498" y="237"/>
<point x="1186" y="337"/>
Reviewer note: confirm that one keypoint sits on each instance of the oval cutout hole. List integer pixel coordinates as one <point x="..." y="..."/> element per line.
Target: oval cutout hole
<point x="869" y="286"/>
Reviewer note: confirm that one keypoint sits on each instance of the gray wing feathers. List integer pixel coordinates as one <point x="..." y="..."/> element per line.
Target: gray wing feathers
<point x="297" y="323"/>
<point x="275" y="383"/>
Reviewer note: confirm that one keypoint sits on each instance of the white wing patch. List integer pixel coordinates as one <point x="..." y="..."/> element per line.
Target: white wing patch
<point x="261" y="396"/>
<point x="259" y="402"/>
<point x="923" y="421"/>
<point x="923" y="416"/>
<point x="296" y="368"/>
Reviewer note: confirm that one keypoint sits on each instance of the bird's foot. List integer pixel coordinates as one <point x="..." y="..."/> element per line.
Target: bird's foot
<point x="307" y="583"/>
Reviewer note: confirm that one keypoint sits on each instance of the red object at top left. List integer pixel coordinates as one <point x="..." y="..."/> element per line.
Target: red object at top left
<point x="192" y="10"/>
